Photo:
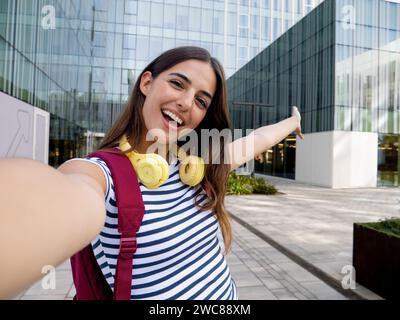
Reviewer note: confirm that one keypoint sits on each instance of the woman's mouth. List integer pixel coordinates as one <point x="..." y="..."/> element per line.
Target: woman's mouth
<point x="171" y="120"/>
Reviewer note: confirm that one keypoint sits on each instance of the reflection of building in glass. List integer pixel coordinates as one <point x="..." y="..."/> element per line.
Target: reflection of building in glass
<point x="344" y="75"/>
<point x="80" y="68"/>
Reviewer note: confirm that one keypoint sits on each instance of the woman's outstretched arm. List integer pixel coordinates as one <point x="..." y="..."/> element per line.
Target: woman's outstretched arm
<point x="244" y="149"/>
<point x="46" y="216"/>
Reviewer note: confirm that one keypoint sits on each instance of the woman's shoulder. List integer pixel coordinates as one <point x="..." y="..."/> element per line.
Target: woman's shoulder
<point x="91" y="167"/>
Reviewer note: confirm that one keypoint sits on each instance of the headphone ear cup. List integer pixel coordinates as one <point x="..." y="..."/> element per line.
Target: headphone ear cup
<point x="192" y="170"/>
<point x="152" y="170"/>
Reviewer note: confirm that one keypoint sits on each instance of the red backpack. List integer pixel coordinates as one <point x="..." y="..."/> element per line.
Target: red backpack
<point x="89" y="281"/>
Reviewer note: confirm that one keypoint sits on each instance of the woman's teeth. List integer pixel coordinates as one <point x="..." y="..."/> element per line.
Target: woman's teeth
<point x="173" y="117"/>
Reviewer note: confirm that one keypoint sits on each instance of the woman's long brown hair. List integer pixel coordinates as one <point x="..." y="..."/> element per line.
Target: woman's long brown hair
<point x="131" y="123"/>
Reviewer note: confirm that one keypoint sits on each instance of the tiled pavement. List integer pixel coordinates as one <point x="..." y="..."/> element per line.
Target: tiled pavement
<point x="263" y="273"/>
<point x="316" y="223"/>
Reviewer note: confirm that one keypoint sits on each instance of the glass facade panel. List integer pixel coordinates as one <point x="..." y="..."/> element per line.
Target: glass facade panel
<point x="157" y="14"/>
<point x="143" y="13"/>
<point x="218" y="22"/>
<point x="367" y="68"/>
<point x="131" y="7"/>
<point x="170" y="16"/>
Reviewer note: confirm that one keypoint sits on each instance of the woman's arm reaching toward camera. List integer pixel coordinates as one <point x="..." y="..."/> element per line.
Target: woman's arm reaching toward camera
<point x="46" y="216"/>
<point x="260" y="140"/>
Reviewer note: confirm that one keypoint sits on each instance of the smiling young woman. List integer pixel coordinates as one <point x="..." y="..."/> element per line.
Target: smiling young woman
<point x="179" y="255"/>
<point x="183" y="89"/>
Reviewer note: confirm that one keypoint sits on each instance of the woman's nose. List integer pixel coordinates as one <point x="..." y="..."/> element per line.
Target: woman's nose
<point x="186" y="101"/>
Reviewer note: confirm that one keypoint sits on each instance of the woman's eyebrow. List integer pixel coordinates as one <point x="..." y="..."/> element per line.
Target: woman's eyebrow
<point x="186" y="79"/>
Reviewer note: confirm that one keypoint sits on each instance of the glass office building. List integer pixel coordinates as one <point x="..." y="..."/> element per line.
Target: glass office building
<point x="77" y="59"/>
<point x="340" y="65"/>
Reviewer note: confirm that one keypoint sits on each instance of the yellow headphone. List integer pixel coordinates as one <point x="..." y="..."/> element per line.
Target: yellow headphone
<point x="153" y="170"/>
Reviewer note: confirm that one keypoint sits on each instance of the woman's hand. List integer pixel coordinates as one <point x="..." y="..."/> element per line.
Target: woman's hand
<point x="297" y="116"/>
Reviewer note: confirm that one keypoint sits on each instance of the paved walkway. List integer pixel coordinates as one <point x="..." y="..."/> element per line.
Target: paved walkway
<point x="316" y="223"/>
<point x="263" y="273"/>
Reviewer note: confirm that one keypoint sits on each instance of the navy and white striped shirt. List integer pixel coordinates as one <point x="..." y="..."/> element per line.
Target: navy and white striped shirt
<point x="179" y="254"/>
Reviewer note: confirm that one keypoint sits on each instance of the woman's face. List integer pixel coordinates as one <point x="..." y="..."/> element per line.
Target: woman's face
<point x="178" y="99"/>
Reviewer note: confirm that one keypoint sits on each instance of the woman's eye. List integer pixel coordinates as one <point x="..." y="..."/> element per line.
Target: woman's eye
<point x="176" y="83"/>
<point x="203" y="103"/>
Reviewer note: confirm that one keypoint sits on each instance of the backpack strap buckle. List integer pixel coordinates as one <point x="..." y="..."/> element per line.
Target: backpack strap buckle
<point x="128" y="245"/>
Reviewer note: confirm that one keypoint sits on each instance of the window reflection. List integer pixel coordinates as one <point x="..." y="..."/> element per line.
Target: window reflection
<point x="67" y="140"/>
<point x="280" y="160"/>
<point x="368" y="82"/>
<point x="388" y="160"/>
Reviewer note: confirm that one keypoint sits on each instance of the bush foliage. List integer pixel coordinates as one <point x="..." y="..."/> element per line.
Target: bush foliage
<point x="389" y="226"/>
<point x="240" y="185"/>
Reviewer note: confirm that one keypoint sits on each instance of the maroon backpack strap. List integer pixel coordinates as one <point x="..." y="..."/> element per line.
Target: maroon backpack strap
<point x="130" y="215"/>
<point x="90" y="283"/>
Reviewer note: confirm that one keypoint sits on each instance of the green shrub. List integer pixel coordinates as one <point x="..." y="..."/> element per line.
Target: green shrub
<point x="389" y="226"/>
<point x="240" y="185"/>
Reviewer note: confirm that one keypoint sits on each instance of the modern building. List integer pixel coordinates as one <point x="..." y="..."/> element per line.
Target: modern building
<point x="340" y="65"/>
<point x="66" y="66"/>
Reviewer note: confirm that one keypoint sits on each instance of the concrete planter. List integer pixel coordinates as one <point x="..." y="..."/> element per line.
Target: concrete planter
<point x="376" y="259"/>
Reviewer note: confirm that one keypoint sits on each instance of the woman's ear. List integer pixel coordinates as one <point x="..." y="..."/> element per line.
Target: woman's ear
<point x="145" y="82"/>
